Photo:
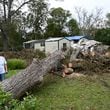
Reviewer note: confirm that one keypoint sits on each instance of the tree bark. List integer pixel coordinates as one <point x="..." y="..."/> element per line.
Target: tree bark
<point x="4" y="38"/>
<point x="18" y="85"/>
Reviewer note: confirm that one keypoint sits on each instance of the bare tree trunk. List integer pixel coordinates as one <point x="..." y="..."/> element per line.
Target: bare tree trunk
<point x="4" y="39"/>
<point x="20" y="83"/>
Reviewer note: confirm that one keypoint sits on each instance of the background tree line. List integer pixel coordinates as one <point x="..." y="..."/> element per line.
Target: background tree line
<point x="40" y="22"/>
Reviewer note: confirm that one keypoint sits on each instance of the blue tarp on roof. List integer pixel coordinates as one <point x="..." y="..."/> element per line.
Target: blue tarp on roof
<point x="74" y="37"/>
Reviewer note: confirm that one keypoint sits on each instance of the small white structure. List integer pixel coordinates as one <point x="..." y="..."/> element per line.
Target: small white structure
<point x="53" y="44"/>
<point x="35" y="44"/>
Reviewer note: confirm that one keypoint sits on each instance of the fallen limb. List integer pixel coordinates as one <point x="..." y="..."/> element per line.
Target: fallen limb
<point x="17" y="85"/>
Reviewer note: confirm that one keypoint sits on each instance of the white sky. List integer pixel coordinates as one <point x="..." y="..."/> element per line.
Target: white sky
<point x="89" y="5"/>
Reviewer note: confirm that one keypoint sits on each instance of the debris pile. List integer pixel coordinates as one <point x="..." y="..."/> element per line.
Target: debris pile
<point x="90" y="57"/>
<point x="88" y="48"/>
<point x="92" y="65"/>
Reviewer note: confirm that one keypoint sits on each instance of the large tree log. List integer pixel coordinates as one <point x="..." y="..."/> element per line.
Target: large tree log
<point x="21" y="82"/>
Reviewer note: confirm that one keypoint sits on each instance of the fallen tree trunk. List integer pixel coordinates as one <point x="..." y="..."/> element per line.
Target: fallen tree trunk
<point x="17" y="85"/>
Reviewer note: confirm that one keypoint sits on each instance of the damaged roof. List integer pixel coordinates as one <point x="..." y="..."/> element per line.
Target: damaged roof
<point x="74" y="37"/>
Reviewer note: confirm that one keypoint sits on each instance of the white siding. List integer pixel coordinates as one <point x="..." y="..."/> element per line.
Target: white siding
<point x="50" y="47"/>
<point x="64" y="41"/>
<point x="38" y="46"/>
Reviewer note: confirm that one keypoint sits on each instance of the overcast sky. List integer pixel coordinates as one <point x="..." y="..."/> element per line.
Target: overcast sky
<point x="89" y="5"/>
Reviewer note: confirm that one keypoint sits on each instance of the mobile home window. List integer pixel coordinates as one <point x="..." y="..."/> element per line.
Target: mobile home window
<point x="42" y="44"/>
<point x="64" y="46"/>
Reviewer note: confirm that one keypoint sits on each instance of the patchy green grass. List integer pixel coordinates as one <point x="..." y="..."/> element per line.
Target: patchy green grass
<point x="11" y="73"/>
<point x="88" y="93"/>
<point x="57" y="93"/>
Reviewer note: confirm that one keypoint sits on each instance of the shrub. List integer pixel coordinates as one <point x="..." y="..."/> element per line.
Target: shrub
<point x="29" y="103"/>
<point x="16" y="64"/>
<point x="39" y="54"/>
<point x="24" y="54"/>
<point x="6" y="101"/>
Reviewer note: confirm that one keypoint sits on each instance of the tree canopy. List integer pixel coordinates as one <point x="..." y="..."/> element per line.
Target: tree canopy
<point x="57" y="22"/>
<point x="38" y="22"/>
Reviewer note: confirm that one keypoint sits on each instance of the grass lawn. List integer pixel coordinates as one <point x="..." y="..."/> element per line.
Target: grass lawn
<point x="91" y="93"/>
<point x="57" y="93"/>
<point x="11" y="73"/>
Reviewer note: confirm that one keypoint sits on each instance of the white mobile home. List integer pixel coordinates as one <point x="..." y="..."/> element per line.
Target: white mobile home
<point x="53" y="44"/>
<point x="35" y="44"/>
